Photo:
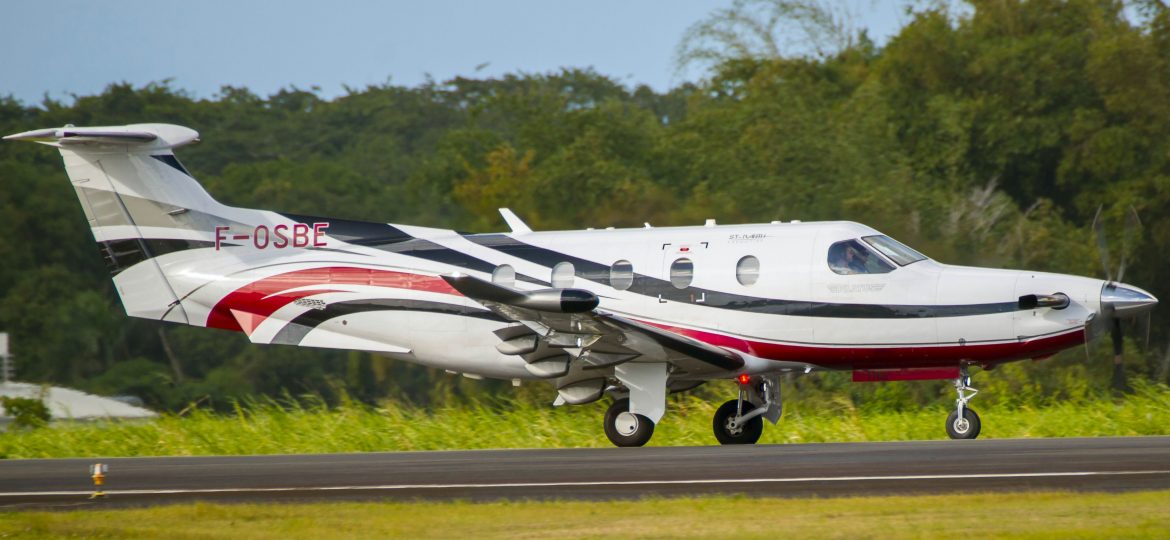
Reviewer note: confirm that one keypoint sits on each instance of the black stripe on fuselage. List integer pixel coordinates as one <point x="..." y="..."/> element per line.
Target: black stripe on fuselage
<point x="302" y="324"/>
<point x="391" y="239"/>
<point x="659" y="288"/>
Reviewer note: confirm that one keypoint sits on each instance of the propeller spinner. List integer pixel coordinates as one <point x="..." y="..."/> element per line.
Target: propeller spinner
<point x="1118" y="300"/>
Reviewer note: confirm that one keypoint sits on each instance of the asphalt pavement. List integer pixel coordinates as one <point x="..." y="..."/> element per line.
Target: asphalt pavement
<point x="796" y="470"/>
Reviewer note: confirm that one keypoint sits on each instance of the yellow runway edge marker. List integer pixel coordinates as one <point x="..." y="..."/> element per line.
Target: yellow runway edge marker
<point x="98" y="471"/>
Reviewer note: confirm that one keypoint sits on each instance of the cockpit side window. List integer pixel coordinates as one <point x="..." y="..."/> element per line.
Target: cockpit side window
<point x="852" y="257"/>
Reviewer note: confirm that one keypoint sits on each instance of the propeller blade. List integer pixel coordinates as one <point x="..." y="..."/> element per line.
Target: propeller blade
<point x="1088" y="341"/>
<point x="1146" y="347"/>
<point x="1131" y="222"/>
<point x="1102" y="243"/>
<point x="1164" y="371"/>
<point x="1119" y="382"/>
<point x="1094" y="327"/>
<point x="1118" y="341"/>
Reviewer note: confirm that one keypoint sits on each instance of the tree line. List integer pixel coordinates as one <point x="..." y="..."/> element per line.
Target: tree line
<point x="986" y="135"/>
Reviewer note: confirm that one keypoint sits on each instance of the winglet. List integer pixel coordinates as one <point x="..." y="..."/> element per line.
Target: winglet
<point x="518" y="226"/>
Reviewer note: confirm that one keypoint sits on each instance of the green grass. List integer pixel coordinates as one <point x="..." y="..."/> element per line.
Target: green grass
<point x="1006" y="515"/>
<point x="271" y="428"/>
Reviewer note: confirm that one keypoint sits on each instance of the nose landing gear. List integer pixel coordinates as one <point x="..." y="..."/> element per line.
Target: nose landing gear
<point x="741" y="421"/>
<point x="732" y="426"/>
<point x="963" y="422"/>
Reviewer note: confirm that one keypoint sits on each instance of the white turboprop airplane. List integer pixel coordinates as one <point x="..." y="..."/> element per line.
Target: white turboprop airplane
<point x="633" y="313"/>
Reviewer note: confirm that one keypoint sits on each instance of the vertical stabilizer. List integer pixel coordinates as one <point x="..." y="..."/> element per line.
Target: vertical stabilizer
<point x="140" y="203"/>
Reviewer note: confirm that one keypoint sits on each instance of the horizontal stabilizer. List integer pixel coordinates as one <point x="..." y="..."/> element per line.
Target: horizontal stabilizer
<point x="155" y="136"/>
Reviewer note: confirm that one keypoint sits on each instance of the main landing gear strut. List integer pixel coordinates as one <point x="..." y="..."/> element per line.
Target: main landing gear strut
<point x="963" y="423"/>
<point x="629" y="421"/>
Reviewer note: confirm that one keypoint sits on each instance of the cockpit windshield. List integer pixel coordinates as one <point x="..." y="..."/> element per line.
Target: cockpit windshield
<point x="896" y="251"/>
<point x="853" y="257"/>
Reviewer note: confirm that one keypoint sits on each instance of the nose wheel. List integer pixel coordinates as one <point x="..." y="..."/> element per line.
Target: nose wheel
<point x="965" y="427"/>
<point x="963" y="422"/>
<point x="733" y="427"/>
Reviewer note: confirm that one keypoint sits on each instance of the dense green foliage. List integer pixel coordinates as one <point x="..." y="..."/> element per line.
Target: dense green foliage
<point x="25" y="412"/>
<point x="987" y="138"/>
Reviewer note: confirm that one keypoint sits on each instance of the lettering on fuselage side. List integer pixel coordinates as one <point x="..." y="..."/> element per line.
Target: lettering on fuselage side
<point x="744" y="238"/>
<point x="297" y="235"/>
<point x="839" y="288"/>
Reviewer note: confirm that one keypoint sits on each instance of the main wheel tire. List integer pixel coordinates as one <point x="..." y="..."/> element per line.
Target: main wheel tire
<point x="748" y="433"/>
<point x="963" y="428"/>
<point x="625" y="428"/>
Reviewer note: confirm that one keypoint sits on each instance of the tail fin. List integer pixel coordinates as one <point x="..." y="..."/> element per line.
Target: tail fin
<point x="140" y="203"/>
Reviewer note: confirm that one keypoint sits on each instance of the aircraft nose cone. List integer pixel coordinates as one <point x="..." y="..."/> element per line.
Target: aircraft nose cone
<point x="1126" y="300"/>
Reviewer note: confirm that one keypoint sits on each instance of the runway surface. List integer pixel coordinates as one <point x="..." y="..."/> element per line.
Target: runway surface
<point x="823" y="470"/>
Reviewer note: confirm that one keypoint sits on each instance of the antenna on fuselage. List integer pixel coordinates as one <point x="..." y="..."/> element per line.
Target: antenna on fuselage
<point x="517" y="225"/>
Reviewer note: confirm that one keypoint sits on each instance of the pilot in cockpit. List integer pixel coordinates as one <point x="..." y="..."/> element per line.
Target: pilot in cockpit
<point x="856" y="259"/>
<point x="851" y="257"/>
<point x="843" y="259"/>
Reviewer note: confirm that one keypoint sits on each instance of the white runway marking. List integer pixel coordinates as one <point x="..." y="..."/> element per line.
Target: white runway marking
<point x="401" y="487"/>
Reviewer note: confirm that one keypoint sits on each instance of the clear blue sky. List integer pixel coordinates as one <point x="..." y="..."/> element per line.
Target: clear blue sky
<point x="61" y="47"/>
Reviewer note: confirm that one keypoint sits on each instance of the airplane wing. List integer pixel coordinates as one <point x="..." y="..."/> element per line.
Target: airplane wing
<point x="561" y="335"/>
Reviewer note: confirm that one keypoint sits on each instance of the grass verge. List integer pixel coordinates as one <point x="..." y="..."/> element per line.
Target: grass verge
<point x="1004" y="515"/>
<point x="274" y="428"/>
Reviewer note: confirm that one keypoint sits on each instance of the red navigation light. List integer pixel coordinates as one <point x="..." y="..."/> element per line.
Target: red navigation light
<point x="744" y="379"/>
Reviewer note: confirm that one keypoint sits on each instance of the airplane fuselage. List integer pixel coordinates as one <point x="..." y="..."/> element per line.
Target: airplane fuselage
<point x="629" y="313"/>
<point x="796" y="312"/>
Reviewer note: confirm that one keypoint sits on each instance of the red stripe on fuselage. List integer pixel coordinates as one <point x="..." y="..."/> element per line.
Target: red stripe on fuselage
<point x="858" y="357"/>
<point x="264" y="297"/>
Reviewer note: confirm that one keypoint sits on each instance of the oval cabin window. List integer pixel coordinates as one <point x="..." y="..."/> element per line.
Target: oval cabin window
<point x="682" y="273"/>
<point x="562" y="275"/>
<point x="621" y="275"/>
<point x="747" y="270"/>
